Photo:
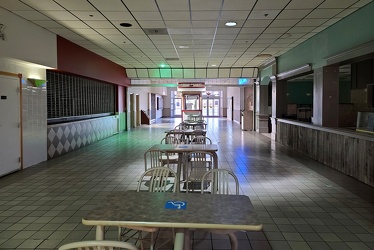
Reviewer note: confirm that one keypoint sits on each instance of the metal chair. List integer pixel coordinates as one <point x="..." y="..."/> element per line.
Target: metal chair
<point x="197" y="164"/>
<point x="222" y="181"/>
<point x="155" y="158"/>
<point x="98" y="244"/>
<point x="201" y="139"/>
<point x="173" y="158"/>
<point x="162" y="179"/>
<point x="179" y="134"/>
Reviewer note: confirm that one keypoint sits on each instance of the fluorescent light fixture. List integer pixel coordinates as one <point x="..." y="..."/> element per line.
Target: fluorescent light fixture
<point x="183" y="47"/>
<point x="294" y="72"/>
<point x="230" y="24"/>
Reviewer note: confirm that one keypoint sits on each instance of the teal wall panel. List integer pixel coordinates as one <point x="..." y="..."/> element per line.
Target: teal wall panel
<point x="354" y="30"/>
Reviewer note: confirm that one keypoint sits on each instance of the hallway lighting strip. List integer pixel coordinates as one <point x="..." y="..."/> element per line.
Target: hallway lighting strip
<point x="193" y="73"/>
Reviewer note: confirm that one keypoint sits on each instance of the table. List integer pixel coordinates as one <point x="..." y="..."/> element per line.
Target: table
<point x="204" y="211"/>
<point x="181" y="149"/>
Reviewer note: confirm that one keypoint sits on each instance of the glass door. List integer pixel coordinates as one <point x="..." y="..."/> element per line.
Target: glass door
<point x="177" y="106"/>
<point x="211" y="107"/>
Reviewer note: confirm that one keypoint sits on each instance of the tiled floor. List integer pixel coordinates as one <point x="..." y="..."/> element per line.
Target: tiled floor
<point x="303" y="204"/>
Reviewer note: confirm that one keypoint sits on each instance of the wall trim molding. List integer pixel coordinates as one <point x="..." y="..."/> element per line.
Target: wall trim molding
<point x="357" y="51"/>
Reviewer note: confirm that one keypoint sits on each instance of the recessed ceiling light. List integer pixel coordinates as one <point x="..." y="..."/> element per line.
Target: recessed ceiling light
<point x="213" y="65"/>
<point x="230" y="24"/>
<point x="125" y="25"/>
<point x="183" y="47"/>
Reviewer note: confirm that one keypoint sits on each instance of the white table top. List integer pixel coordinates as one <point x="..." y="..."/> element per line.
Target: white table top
<point x="208" y="211"/>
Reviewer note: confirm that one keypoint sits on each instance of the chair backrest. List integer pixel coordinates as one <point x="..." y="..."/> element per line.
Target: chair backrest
<point x="200" y="139"/>
<point x="197" y="163"/>
<point x="98" y="244"/>
<point x="168" y="139"/>
<point x="159" y="179"/>
<point x="155" y="158"/>
<point x="181" y="126"/>
<point x="179" y="134"/>
<point x="220" y="180"/>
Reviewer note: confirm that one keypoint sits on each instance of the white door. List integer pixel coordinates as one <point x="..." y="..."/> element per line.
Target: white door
<point x="10" y="139"/>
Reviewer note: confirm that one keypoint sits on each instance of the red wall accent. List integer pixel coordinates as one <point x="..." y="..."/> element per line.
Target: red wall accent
<point x="75" y="59"/>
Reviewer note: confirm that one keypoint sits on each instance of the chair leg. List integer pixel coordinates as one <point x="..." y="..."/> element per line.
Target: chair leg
<point x="233" y="241"/>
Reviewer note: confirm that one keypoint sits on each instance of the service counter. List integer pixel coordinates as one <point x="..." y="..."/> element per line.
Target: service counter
<point x="348" y="151"/>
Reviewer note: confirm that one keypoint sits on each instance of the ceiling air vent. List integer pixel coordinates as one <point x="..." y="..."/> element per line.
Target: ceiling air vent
<point x="171" y="59"/>
<point x="156" y="31"/>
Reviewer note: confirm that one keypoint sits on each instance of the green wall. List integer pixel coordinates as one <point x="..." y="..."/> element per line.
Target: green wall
<point x="344" y="92"/>
<point x="349" y="32"/>
<point x="122" y="121"/>
<point x="300" y="92"/>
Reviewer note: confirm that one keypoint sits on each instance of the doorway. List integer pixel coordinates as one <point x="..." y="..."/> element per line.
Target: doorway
<point x="211" y="107"/>
<point x="10" y="132"/>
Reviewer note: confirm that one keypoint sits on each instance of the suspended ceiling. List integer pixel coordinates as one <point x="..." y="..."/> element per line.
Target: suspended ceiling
<point x="185" y="35"/>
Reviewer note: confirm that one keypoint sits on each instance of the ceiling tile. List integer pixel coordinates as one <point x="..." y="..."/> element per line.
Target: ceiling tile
<point x="147" y="15"/>
<point x="332" y="4"/>
<point x="257" y="23"/>
<point x="238" y="5"/>
<point x="41" y="5"/>
<point x="263" y="14"/>
<point x="176" y="15"/>
<point x="140" y="5"/>
<point x="300" y="29"/>
<point x="204" y="24"/>
<point x="271" y="4"/>
<point x="60" y="15"/>
<point x="99" y="24"/>
<point x="75" y="5"/>
<point x="152" y="24"/>
<point x="88" y="15"/>
<point x="109" y="5"/>
<point x="75" y="24"/>
<point x="293" y="14"/>
<point x="123" y="16"/>
<point x="178" y="24"/>
<point x="302" y="4"/>
<point x="324" y="13"/>
<point x="31" y="15"/>
<point x="172" y="5"/>
<point x="204" y="15"/>
<point x="208" y="5"/>
<point x="312" y="22"/>
<point x="284" y="23"/>
<point x="48" y="24"/>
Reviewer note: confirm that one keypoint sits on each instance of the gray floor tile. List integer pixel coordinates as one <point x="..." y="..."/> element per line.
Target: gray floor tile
<point x="302" y="203"/>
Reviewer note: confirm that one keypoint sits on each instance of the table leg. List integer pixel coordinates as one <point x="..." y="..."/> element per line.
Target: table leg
<point x="100" y="232"/>
<point x="179" y="240"/>
<point x="215" y="160"/>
